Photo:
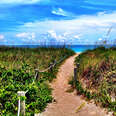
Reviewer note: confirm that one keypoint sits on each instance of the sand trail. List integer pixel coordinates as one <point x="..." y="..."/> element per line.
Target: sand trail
<point x="67" y="103"/>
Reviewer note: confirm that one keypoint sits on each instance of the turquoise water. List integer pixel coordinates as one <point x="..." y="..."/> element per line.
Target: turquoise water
<point x="82" y="48"/>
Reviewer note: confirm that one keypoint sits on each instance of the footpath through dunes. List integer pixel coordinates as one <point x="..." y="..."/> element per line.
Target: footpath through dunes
<point x="67" y="103"/>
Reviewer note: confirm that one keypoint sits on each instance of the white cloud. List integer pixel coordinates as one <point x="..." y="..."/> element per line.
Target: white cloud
<point x="64" y="37"/>
<point x="22" y="35"/>
<point x="77" y="36"/>
<point x="101" y="13"/>
<point x="66" y="33"/>
<point x="57" y="37"/>
<point x="52" y="33"/>
<point x="101" y="20"/>
<point x="101" y="2"/>
<point x="26" y="36"/>
<point x="61" y="12"/>
<point x="92" y="7"/>
<point x="90" y="27"/>
<point x="100" y="39"/>
<point x="2" y="38"/>
<point x="18" y="1"/>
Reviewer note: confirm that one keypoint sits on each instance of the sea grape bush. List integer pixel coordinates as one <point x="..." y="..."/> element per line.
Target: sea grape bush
<point x="12" y="81"/>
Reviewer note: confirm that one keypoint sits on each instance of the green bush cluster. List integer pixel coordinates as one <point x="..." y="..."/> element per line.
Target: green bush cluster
<point x="12" y="81"/>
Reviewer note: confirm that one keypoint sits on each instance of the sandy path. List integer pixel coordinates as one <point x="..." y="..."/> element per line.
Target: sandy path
<point x="67" y="103"/>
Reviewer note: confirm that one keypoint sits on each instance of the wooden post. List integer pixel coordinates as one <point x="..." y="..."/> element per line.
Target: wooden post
<point x="37" y="74"/>
<point x="75" y="75"/>
<point x="54" y="63"/>
<point x="21" y="108"/>
<point x="77" y="65"/>
<point x="51" y="67"/>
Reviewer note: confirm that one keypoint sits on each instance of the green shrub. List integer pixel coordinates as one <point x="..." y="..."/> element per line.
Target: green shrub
<point x="12" y="81"/>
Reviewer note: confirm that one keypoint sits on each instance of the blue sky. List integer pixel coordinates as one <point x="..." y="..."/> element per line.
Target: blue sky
<point x="48" y="21"/>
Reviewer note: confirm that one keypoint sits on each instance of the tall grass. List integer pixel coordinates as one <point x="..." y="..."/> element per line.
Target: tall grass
<point x="13" y="57"/>
<point x="97" y="76"/>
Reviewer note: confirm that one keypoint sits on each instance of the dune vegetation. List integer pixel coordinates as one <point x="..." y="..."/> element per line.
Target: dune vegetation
<point x="97" y="76"/>
<point x="17" y="72"/>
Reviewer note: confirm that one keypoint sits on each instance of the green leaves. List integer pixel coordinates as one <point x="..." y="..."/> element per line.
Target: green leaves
<point x="12" y="81"/>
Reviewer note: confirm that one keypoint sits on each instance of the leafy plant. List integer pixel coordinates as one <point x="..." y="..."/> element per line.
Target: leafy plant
<point x="12" y="81"/>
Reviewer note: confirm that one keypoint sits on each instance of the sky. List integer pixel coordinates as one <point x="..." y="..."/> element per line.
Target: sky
<point x="24" y="22"/>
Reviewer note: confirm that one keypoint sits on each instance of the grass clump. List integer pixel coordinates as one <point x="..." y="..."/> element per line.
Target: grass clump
<point x="97" y="76"/>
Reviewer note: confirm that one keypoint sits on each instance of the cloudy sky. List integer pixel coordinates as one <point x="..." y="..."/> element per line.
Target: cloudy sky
<point x="69" y="21"/>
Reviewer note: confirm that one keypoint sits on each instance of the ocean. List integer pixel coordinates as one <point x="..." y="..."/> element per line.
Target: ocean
<point x="82" y="48"/>
<point x="76" y="48"/>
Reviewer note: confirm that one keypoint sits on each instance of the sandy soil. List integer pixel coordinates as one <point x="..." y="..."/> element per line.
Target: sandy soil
<point x="67" y="103"/>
